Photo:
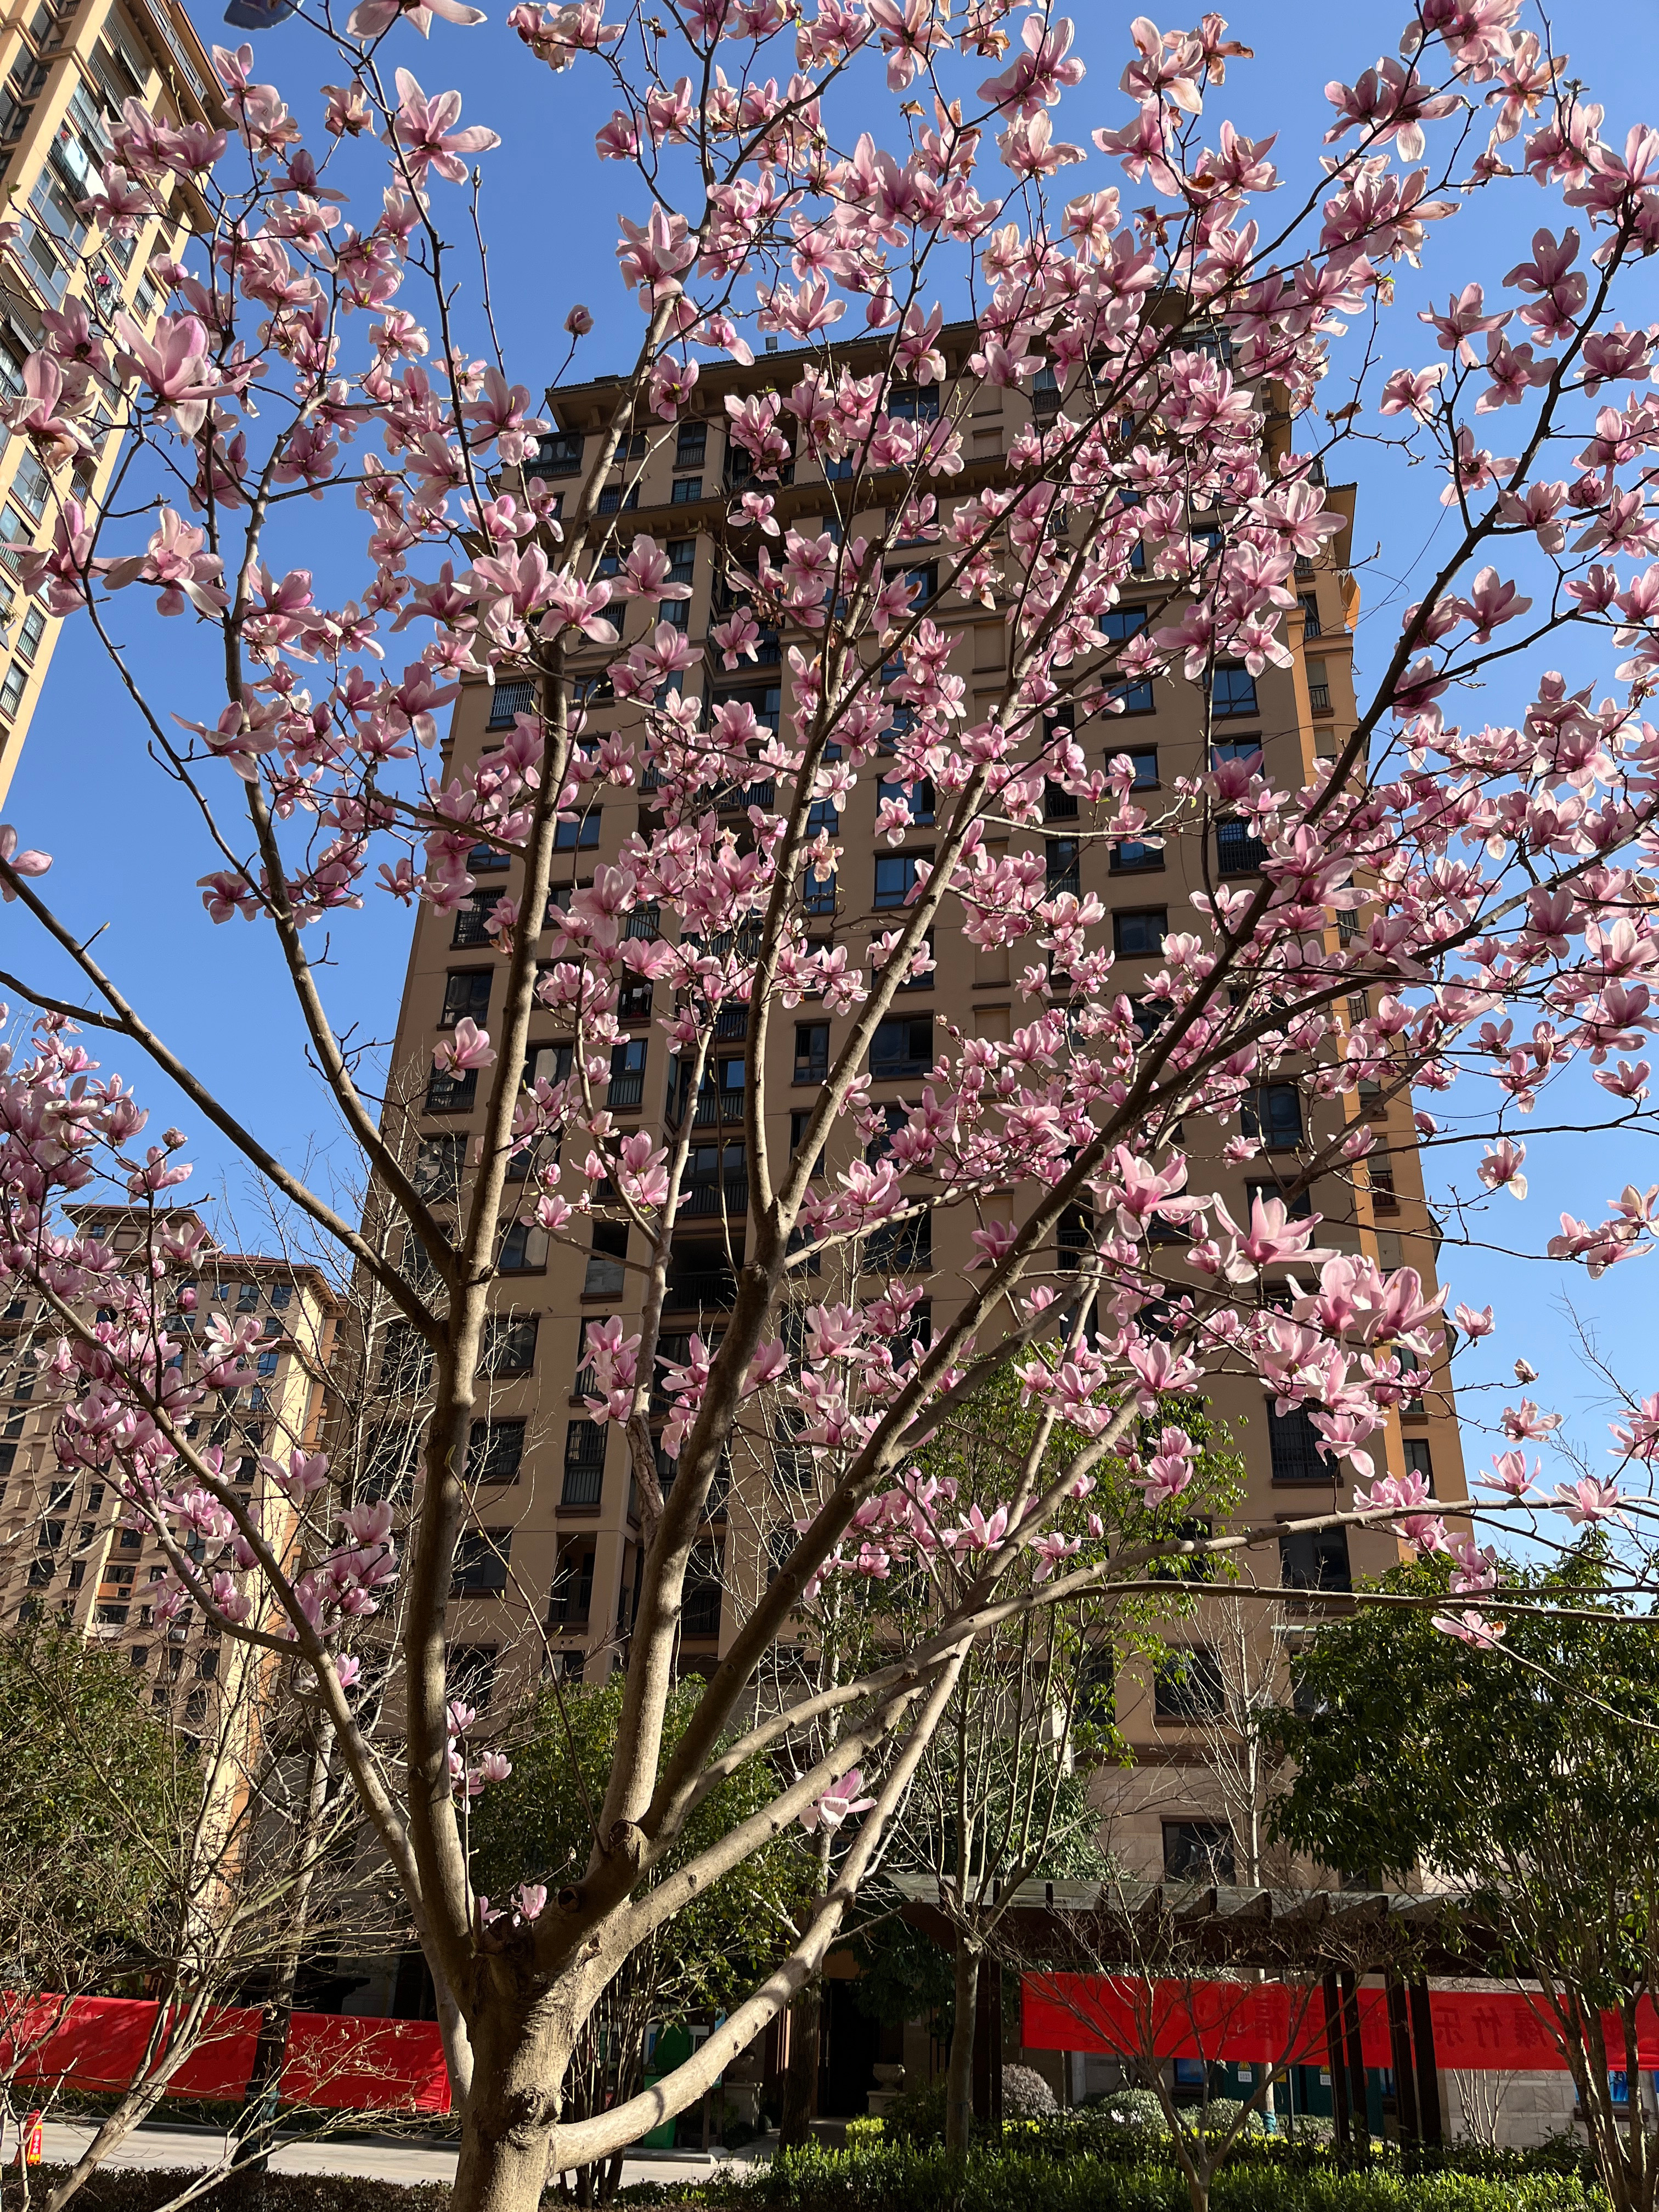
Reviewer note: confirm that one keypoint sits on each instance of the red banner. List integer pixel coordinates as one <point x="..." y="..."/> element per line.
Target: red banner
<point x="332" y="2059"/>
<point x="1474" y="2030"/>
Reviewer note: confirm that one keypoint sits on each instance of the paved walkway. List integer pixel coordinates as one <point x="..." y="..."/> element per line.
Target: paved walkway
<point x="386" y="2158"/>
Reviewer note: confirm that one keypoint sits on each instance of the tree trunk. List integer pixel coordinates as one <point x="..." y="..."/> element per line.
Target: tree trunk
<point x="800" y="2078"/>
<point x="959" y="2073"/>
<point x="507" y="2120"/>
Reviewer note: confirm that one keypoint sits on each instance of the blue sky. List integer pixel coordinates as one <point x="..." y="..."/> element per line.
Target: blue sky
<point x="127" y="852"/>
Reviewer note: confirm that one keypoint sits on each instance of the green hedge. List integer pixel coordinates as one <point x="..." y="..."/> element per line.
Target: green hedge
<point x="141" y="2189"/>
<point x="892" y="2178"/>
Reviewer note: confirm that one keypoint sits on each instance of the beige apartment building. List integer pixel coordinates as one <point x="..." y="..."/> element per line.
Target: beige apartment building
<point x="63" y="1551"/>
<point x="66" y="66"/>
<point x="549" y="1575"/>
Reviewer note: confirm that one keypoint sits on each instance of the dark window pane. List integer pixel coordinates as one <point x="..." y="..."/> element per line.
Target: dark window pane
<point x="1292" y="1441"/>
<point x="1189" y="1685"/>
<point x="466" y="994"/>
<point x="1315" y="1559"/>
<point x="494" y="1452"/>
<point x="1198" y="1850"/>
<point x="1140" y="929"/>
<point x="481" y="1556"/>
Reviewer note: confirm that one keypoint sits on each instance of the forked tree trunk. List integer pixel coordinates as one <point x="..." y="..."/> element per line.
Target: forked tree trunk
<point x="519" y="2064"/>
<point x="801" y="2075"/>
<point x="959" y="2072"/>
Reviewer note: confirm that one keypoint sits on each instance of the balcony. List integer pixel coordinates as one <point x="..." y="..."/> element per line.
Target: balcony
<point x="1237" y="852"/>
<point x="1319" y="698"/>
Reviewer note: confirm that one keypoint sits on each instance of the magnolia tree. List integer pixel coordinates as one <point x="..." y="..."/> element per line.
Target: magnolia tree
<point x="1480" y="885"/>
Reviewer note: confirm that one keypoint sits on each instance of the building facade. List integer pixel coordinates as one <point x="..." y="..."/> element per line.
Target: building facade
<point x="64" y="1552"/>
<point x="552" y="1562"/>
<point x="66" y="67"/>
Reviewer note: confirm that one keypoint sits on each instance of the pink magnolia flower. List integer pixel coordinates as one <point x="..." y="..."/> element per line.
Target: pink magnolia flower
<point x="176" y="366"/>
<point x="1501" y="1167"/>
<point x="1472" y="1628"/>
<point x="1589" y="1501"/>
<point x="838" y="1803"/>
<point x="469" y="1048"/>
<point x="425" y="129"/>
<point x="15" y="862"/>
<point x="579" y="322"/>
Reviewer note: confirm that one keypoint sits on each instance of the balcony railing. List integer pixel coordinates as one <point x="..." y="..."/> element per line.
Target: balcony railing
<point x="627" y="1089"/>
<point x="727" y="1195"/>
<point x="1319" y="698"/>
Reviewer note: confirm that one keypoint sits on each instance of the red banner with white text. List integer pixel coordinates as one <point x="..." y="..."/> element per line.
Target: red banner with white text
<point x="336" y="2060"/>
<point x="1475" y="2030"/>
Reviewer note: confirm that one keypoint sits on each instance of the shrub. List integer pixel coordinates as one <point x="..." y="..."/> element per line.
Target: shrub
<point x="891" y="2178"/>
<point x="916" y="2114"/>
<point x="1026" y="2095"/>
<point x="1137" y="2112"/>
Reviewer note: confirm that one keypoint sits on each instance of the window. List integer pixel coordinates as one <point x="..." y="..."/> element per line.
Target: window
<point x="1315" y="1559"/>
<point x="509" y="1345"/>
<point x="1059" y="805"/>
<point x="811" y="1051"/>
<point x="799" y="1121"/>
<point x="1308" y="603"/>
<point x="1119" y="624"/>
<point x="1045" y="393"/>
<point x="1385" y="1199"/>
<point x="524" y="1249"/>
<point x="1274" y="1112"/>
<point x="612" y="501"/>
<point x="469" y="1673"/>
<point x="1232" y="691"/>
<point x="686" y="490"/>
<point x="626" y="1072"/>
<point x="572" y="1598"/>
<point x="466" y="995"/>
<point x="1074" y="1236"/>
<point x="1061" y="861"/>
<point x="438" y="1166"/>
<point x="633" y="999"/>
<point x="1292" y="1442"/>
<point x="690" y="445"/>
<point x="33" y="629"/>
<point x="507" y="700"/>
<point x="817" y="894"/>
<point x="699" y="1275"/>
<point x="484" y="859"/>
<point x="1238" y="850"/>
<point x="450" y="1092"/>
<point x="606" y="1272"/>
<point x="558" y="454"/>
<point x="902" y="1046"/>
<point x="481" y="1556"/>
<point x="896" y="877"/>
<point x="1319" y="687"/>
<point x="700" y="1608"/>
<point x="472" y="920"/>
<point x="584" y="1464"/>
<point x="1137" y="932"/>
<point x="405" y="1361"/>
<point x="1131" y="856"/>
<point x="1235" y="749"/>
<point x="1189" y="1685"/>
<point x="580" y="835"/>
<point x="917" y="405"/>
<point x="1419" y="1460"/>
<point x="389" y="1461"/>
<point x="1198" y="1850"/>
<point x="494" y="1452"/>
<point x="546" y="1063"/>
<point x="900" y="1247"/>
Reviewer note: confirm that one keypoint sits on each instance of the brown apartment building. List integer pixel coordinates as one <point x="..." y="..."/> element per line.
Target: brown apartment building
<point x="66" y="66"/>
<point x="63" y="1551"/>
<point x="549" y="1571"/>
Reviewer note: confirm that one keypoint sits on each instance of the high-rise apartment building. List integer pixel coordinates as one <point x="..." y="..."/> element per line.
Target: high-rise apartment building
<point x="64" y="1552"/>
<point x="66" y="66"/>
<point x="551" y="1564"/>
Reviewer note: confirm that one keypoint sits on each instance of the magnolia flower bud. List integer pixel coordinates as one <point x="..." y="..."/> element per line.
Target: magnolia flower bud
<point x="579" y="322"/>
